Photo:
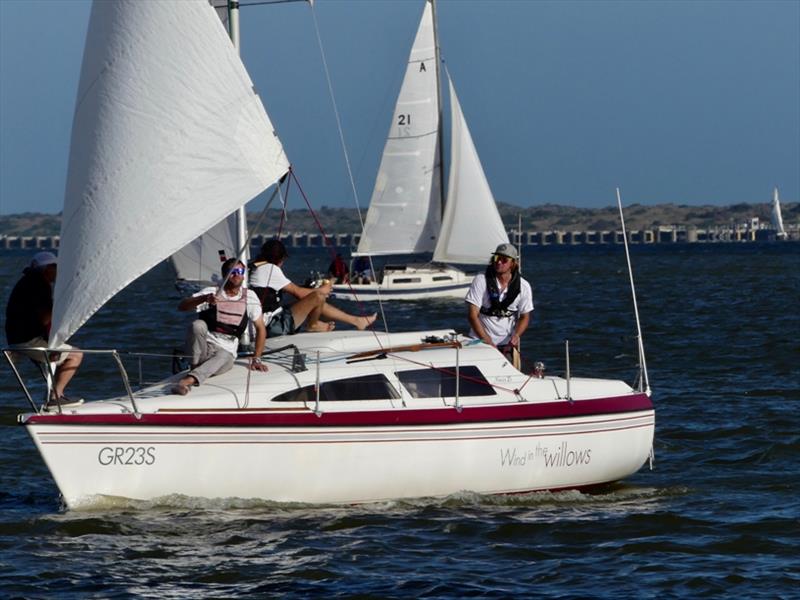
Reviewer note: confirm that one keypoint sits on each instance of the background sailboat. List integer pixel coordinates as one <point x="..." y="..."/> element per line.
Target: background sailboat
<point x="411" y="211"/>
<point x="777" y="217"/>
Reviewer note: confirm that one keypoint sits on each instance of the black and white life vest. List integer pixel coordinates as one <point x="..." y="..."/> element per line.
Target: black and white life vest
<point x="499" y="308"/>
<point x="270" y="298"/>
<point x="227" y="316"/>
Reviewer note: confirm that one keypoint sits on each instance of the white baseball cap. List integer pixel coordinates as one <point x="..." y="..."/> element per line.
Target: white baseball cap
<point x="42" y="259"/>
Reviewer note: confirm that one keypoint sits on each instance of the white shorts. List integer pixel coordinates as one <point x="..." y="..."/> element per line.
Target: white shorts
<point x="38" y="355"/>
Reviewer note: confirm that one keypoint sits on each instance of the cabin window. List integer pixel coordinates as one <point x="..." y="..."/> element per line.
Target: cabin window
<point x="441" y="382"/>
<point x="442" y="278"/>
<point x="365" y="387"/>
<point x="407" y="280"/>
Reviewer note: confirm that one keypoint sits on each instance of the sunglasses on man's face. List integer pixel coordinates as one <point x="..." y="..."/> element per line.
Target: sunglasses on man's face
<point x="237" y="271"/>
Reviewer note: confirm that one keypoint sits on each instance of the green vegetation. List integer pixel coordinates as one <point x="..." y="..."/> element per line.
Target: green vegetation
<point x="545" y="217"/>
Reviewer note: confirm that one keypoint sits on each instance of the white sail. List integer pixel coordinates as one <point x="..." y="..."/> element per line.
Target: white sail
<point x="777" y="217"/>
<point x="405" y="209"/>
<point x="168" y="138"/>
<point x="198" y="261"/>
<point x="471" y="225"/>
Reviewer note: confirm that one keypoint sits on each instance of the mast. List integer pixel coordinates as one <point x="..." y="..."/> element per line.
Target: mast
<point x="440" y="139"/>
<point x="240" y="243"/>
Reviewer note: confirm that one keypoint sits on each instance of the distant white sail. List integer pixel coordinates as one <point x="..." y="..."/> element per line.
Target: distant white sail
<point x="777" y="217"/>
<point x="169" y="137"/>
<point x="405" y="209"/>
<point x="200" y="259"/>
<point x="471" y="226"/>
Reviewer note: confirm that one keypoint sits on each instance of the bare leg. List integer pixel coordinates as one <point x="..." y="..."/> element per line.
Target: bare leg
<point x="331" y="313"/>
<point x="65" y="371"/>
<point x="308" y="308"/>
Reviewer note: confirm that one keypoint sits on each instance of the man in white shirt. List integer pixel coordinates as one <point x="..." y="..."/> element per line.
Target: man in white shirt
<point x="269" y="282"/>
<point x="500" y="301"/>
<point x="213" y="339"/>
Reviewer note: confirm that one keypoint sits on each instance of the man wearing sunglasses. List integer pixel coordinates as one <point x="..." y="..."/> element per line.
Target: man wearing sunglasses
<point x="213" y="340"/>
<point x="500" y="302"/>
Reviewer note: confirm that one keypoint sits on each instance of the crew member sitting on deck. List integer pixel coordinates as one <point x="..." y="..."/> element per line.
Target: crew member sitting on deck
<point x="268" y="281"/>
<point x="28" y="316"/>
<point x="500" y="302"/>
<point x="213" y="340"/>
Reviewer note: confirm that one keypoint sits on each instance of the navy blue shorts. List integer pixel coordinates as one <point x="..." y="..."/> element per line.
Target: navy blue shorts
<point x="281" y="324"/>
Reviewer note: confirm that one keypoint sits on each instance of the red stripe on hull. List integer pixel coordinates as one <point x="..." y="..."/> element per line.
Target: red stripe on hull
<point x="377" y="418"/>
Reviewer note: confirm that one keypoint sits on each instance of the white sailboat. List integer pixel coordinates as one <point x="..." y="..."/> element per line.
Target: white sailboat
<point x="343" y="416"/>
<point x="410" y="210"/>
<point x="777" y="217"/>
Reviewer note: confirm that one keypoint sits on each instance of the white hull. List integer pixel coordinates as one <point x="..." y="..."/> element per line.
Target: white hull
<point x="342" y="464"/>
<point x="409" y="282"/>
<point x="223" y="440"/>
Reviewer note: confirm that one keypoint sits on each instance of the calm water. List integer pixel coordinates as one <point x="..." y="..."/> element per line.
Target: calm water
<point x="719" y="515"/>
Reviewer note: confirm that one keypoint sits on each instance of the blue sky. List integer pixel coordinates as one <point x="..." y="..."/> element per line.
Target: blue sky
<point x="678" y="101"/>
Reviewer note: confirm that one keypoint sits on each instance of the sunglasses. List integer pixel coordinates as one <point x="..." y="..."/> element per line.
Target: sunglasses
<point x="502" y="259"/>
<point x="237" y="271"/>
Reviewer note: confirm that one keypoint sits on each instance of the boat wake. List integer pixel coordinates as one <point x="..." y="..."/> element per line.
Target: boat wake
<point x="605" y="496"/>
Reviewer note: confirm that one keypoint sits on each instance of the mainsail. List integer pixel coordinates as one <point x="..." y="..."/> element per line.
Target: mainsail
<point x="199" y="260"/>
<point x="169" y="137"/>
<point x="471" y="226"/>
<point x="405" y="209"/>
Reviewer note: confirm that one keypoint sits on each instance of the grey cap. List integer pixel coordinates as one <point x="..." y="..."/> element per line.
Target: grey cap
<point x="507" y="250"/>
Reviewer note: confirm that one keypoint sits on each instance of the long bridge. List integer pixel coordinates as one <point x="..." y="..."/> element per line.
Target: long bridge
<point x="677" y="234"/>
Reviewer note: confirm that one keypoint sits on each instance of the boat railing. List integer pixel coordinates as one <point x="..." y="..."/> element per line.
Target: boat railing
<point x="567" y="375"/>
<point x="47" y="371"/>
<point x="46" y="367"/>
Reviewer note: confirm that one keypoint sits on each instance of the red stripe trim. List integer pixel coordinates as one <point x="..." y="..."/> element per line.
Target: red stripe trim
<point x="394" y="417"/>
<point x="394" y="430"/>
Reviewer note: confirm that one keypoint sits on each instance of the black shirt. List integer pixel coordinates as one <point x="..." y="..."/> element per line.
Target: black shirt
<point x="30" y="303"/>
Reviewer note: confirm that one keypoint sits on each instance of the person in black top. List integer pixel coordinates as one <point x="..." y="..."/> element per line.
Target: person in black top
<point x="28" y="315"/>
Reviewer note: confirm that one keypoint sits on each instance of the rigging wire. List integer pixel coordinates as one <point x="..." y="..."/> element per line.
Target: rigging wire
<point x="346" y="155"/>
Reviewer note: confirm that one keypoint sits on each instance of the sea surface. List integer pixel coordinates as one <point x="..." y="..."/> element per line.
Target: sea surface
<point x="718" y="516"/>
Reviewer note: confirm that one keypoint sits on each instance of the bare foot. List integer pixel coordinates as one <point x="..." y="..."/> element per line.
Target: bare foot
<point x="321" y="326"/>
<point x="364" y="322"/>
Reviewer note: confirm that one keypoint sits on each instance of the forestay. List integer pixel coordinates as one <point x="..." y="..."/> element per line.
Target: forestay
<point x="464" y="238"/>
<point x="405" y="209"/>
<point x="168" y="138"/>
